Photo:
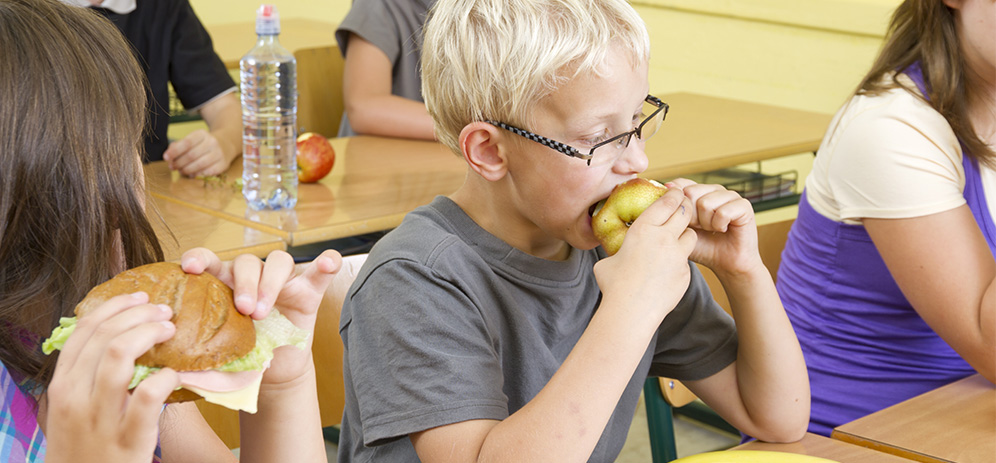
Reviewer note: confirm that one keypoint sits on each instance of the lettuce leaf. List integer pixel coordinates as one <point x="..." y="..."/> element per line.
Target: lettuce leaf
<point x="59" y="335"/>
<point x="271" y="332"/>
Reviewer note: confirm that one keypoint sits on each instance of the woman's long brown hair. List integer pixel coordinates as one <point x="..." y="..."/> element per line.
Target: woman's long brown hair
<point x="924" y="31"/>
<point x="71" y="215"/>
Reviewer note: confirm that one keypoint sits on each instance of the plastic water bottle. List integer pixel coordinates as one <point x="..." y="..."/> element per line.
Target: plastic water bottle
<point x="269" y="118"/>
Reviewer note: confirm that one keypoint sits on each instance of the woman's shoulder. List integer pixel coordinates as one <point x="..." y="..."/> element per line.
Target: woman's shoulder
<point x="901" y="104"/>
<point x="880" y="146"/>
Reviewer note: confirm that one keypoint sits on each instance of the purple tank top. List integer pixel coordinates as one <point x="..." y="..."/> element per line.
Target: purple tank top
<point x="866" y="348"/>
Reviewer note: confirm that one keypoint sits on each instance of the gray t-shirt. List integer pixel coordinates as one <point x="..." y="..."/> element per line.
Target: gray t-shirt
<point x="395" y="27"/>
<point x="446" y="323"/>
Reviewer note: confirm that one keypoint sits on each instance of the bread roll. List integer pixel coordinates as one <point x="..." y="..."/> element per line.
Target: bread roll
<point x="210" y="332"/>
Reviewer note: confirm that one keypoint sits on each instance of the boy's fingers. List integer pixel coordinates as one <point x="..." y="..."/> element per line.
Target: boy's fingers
<point x="681" y="217"/>
<point x="660" y="211"/>
<point x="687" y="240"/>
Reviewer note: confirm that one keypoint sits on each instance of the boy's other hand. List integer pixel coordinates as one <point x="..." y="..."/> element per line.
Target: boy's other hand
<point x="724" y="223"/>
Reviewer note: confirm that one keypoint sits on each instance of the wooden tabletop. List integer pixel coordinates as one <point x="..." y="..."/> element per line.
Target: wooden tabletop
<point x="233" y="40"/>
<point x="816" y="445"/>
<point x="704" y="133"/>
<point x="953" y="423"/>
<point x="376" y="180"/>
<point x="373" y="184"/>
<point x="191" y="228"/>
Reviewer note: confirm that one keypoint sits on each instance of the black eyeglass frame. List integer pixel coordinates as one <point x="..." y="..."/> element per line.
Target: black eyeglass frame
<point x="573" y="152"/>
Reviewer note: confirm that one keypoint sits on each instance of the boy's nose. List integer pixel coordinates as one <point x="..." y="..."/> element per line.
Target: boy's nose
<point x="633" y="159"/>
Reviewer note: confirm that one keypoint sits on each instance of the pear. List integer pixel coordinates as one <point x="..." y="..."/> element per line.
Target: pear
<point x="614" y="215"/>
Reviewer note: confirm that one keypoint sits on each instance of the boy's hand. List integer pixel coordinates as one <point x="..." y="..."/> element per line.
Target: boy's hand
<point x="652" y="264"/>
<point x="724" y="223"/>
<point x="261" y="287"/>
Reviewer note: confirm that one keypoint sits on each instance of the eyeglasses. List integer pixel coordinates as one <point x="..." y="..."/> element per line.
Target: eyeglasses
<point x="652" y="115"/>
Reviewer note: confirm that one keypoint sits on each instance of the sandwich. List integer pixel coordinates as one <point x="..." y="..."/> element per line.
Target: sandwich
<point x="219" y="353"/>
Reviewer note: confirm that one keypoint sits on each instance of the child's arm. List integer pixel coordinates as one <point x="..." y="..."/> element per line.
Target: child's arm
<point x="370" y="106"/>
<point x="287" y="426"/>
<point x="765" y="393"/>
<point x="943" y="266"/>
<point x="88" y="414"/>
<point x="566" y="419"/>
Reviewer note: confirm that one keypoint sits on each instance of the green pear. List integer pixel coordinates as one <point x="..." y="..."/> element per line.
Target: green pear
<point x="614" y="215"/>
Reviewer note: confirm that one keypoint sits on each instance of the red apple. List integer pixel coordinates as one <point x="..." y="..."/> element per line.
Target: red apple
<point x="315" y="157"/>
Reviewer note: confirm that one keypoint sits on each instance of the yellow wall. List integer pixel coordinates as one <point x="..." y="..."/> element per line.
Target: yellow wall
<point x="806" y="54"/>
<point x="228" y="11"/>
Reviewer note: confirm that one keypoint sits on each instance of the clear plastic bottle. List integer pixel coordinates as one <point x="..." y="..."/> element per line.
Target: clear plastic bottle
<point x="269" y="118"/>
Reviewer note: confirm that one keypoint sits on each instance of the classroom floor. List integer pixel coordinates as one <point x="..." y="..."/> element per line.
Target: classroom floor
<point x="691" y="438"/>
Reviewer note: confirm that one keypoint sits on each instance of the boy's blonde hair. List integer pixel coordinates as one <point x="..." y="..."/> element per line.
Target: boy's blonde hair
<point x="494" y="59"/>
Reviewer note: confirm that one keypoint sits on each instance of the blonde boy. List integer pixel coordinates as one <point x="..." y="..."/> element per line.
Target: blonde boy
<point x="489" y="326"/>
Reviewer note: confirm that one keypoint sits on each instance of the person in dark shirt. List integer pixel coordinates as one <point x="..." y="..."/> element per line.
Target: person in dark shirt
<point x="173" y="48"/>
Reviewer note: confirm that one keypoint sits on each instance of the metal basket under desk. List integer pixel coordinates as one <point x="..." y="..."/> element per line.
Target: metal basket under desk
<point x="765" y="191"/>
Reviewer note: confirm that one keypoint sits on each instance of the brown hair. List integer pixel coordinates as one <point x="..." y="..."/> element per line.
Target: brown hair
<point x="924" y="31"/>
<point x="71" y="212"/>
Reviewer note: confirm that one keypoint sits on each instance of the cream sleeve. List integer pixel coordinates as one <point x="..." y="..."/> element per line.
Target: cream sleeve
<point x="887" y="156"/>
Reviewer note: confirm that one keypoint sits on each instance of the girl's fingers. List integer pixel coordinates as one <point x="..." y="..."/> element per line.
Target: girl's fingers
<point x="322" y="270"/>
<point x="87" y="345"/>
<point x="85" y="328"/>
<point x="116" y="366"/>
<point x="146" y="401"/>
<point x="200" y="260"/>
<point x="277" y="272"/>
<point x="246" y="271"/>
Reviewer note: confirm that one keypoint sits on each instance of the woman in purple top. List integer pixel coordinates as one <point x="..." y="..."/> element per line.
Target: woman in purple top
<point x="888" y="275"/>
<point x="72" y="214"/>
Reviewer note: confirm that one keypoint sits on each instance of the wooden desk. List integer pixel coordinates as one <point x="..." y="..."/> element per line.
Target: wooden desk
<point x="704" y="133"/>
<point x="953" y="423"/>
<point x="818" y="446"/>
<point x="376" y="181"/>
<point x="192" y="228"/>
<point x="233" y="40"/>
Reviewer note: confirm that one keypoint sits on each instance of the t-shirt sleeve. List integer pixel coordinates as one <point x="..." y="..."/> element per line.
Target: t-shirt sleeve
<point x="895" y="160"/>
<point x="698" y="338"/>
<point x="375" y="21"/>
<point x="196" y="72"/>
<point x="420" y="352"/>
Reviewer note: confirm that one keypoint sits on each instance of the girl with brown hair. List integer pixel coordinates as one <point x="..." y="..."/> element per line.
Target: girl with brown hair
<point x="72" y="215"/>
<point x="889" y="274"/>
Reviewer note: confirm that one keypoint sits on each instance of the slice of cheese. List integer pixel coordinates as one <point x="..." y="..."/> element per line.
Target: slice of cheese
<point x="243" y="399"/>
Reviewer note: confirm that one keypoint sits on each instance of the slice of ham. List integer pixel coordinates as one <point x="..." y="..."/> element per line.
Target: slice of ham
<point x="219" y="381"/>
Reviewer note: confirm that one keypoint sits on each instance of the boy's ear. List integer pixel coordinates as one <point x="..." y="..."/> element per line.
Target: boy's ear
<point x="481" y="150"/>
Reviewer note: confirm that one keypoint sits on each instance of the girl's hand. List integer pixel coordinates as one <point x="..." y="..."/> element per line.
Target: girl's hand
<point x="89" y="413"/>
<point x="724" y="223"/>
<point x="260" y="287"/>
